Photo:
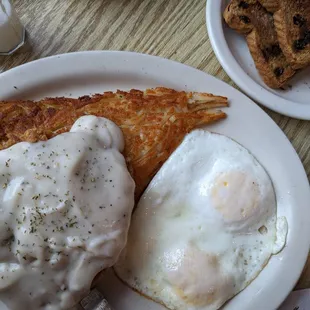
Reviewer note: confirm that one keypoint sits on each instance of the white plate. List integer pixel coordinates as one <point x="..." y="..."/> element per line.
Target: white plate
<point x="92" y="72"/>
<point x="232" y="52"/>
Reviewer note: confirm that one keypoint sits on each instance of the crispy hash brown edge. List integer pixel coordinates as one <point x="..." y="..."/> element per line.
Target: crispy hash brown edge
<point x="154" y="122"/>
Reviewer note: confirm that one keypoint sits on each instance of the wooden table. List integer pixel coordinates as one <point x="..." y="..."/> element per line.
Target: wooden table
<point x="173" y="29"/>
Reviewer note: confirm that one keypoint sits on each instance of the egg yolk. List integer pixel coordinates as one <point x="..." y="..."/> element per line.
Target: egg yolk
<point x="235" y="195"/>
<point x="199" y="280"/>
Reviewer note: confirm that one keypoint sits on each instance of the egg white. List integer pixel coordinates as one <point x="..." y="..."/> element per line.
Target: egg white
<point x="204" y="228"/>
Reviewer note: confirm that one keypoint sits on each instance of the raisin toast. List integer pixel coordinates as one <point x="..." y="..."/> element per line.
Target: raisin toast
<point x="292" y="23"/>
<point x="252" y="19"/>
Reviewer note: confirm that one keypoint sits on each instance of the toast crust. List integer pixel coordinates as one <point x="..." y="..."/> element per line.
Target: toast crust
<point x="270" y="5"/>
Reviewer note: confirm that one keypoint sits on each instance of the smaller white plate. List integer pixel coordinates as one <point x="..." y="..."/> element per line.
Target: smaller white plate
<point x="232" y="52"/>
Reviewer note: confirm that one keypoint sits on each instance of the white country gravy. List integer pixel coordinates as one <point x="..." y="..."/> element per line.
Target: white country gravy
<point x="65" y="207"/>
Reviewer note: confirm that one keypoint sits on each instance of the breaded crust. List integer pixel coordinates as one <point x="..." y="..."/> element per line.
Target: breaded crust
<point x="154" y="122"/>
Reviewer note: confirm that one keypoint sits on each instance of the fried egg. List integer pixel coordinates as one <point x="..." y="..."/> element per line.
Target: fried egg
<point x="204" y="228"/>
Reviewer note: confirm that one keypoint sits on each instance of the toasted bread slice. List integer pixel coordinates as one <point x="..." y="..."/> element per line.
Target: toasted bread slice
<point x="252" y="19"/>
<point x="238" y="15"/>
<point x="292" y="22"/>
<point x="154" y="122"/>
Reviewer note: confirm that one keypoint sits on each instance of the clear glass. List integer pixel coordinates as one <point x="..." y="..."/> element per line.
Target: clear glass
<point x="12" y="32"/>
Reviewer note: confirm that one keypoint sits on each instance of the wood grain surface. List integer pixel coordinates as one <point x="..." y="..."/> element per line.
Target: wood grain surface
<point x="174" y="29"/>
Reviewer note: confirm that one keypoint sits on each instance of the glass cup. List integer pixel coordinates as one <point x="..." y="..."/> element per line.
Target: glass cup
<point x="12" y="32"/>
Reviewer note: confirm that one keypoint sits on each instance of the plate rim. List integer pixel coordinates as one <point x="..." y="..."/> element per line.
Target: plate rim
<point x="215" y="29"/>
<point x="301" y="172"/>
